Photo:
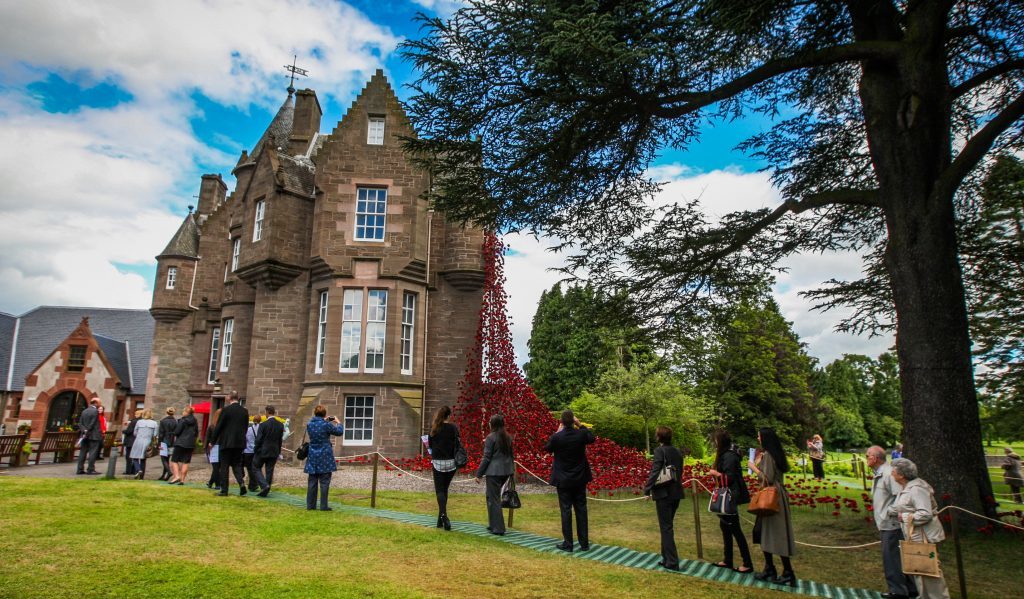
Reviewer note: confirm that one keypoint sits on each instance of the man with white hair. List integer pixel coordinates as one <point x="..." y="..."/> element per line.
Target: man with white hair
<point x="883" y="493"/>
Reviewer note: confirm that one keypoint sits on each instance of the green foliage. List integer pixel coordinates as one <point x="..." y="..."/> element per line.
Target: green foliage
<point x="577" y="336"/>
<point x="759" y="376"/>
<point x="861" y="401"/>
<point x="628" y="403"/>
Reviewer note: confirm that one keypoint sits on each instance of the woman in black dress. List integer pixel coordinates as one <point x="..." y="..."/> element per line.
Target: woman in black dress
<point x="443" y="441"/>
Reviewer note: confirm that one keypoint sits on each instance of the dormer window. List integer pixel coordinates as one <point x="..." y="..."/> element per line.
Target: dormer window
<point x="172" y="276"/>
<point x="76" y="358"/>
<point x="375" y="131"/>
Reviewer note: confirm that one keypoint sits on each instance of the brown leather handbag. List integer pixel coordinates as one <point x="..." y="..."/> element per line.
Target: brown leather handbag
<point x="765" y="502"/>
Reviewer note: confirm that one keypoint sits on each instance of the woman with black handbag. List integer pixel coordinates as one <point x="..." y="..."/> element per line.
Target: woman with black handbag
<point x="733" y="494"/>
<point x="664" y="485"/>
<point x="445" y="452"/>
<point x="497" y="464"/>
<point x="773" y="529"/>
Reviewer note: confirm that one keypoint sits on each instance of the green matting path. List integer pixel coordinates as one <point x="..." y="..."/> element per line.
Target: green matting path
<point x="609" y="554"/>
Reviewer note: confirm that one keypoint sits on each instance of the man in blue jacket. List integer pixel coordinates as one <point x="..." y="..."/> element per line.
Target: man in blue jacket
<point x="570" y="474"/>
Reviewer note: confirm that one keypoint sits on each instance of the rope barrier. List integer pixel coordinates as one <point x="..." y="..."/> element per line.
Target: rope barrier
<point x="406" y="472"/>
<point x="530" y="472"/>
<point x="349" y="458"/>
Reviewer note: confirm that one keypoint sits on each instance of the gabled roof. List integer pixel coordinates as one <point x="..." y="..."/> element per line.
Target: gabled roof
<point x="41" y="330"/>
<point x="185" y="242"/>
<point x="117" y="355"/>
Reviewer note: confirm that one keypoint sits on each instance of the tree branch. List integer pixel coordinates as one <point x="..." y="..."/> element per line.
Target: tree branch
<point x="987" y="75"/>
<point x="694" y="101"/>
<point x="978" y="146"/>
<point x="848" y="197"/>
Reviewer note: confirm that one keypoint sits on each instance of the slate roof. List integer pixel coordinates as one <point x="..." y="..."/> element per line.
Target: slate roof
<point x="41" y="330"/>
<point x="280" y="129"/>
<point x="186" y="241"/>
<point x="7" y="323"/>
<point x="117" y="354"/>
<point x="296" y="173"/>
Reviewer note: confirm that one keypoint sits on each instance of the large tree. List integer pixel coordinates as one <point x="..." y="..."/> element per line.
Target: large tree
<point x="545" y="114"/>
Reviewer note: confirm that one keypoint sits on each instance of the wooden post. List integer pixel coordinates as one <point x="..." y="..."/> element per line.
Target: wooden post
<point x="959" y="556"/>
<point x="864" y="474"/>
<point x="511" y="512"/>
<point x="696" y="518"/>
<point x="803" y="462"/>
<point x="373" y="485"/>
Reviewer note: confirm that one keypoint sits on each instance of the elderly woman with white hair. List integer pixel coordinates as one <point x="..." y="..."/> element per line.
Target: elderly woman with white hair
<point x="917" y="511"/>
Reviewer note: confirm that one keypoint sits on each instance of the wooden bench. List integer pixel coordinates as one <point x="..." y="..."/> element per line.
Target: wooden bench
<point x="11" y="445"/>
<point x="57" y="443"/>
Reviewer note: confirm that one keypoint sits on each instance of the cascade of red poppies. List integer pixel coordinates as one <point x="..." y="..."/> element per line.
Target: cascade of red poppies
<point x="494" y="384"/>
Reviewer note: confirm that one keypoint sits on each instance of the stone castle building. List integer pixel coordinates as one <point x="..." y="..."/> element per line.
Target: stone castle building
<point x="324" y="278"/>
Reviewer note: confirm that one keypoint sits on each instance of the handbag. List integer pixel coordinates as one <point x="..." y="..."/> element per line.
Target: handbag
<point x="461" y="457"/>
<point x="920" y="558"/>
<point x="509" y="496"/>
<point x="152" y="450"/>
<point x="722" y="501"/>
<point x="303" y="451"/>
<point x="667" y="475"/>
<point x="765" y="502"/>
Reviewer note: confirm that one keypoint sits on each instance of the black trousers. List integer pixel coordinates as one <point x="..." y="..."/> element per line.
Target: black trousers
<point x="819" y="468"/>
<point x="730" y="526"/>
<point x="574" y="499"/>
<point x="666" y="509"/>
<point x="129" y="464"/>
<point x="230" y="459"/>
<point x="442" y="480"/>
<point x="495" y="517"/>
<point x="264" y="479"/>
<point x="323" y="481"/>
<point x="89" y="450"/>
<point x="250" y="471"/>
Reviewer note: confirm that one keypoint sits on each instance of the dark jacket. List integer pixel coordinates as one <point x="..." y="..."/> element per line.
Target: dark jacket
<point x="729" y="465"/>
<point x="443" y="444"/>
<point x="128" y="438"/>
<point x="268" y="439"/>
<point x="89" y="424"/>
<point x="230" y="430"/>
<point x="665" y="455"/>
<point x="495" y="462"/>
<point x="570" y="468"/>
<point x="166" y="431"/>
<point x="186" y="433"/>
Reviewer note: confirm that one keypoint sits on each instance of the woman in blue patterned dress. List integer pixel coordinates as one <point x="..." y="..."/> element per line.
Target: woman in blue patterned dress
<point x="320" y="461"/>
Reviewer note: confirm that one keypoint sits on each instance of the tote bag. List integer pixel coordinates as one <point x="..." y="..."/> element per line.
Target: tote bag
<point x="722" y="501"/>
<point x="919" y="558"/>
<point x="765" y="502"/>
<point x="509" y="496"/>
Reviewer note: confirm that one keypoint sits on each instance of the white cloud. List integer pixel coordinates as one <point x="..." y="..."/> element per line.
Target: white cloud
<point x="441" y="7"/>
<point x="88" y="189"/>
<point x="720" y="192"/>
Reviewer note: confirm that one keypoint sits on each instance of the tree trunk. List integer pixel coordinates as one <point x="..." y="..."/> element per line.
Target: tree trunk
<point x="907" y="117"/>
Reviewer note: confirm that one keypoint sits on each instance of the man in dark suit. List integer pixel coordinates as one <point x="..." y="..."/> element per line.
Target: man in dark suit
<point x="570" y="474"/>
<point x="92" y="437"/>
<point x="229" y="434"/>
<point x="268" y="448"/>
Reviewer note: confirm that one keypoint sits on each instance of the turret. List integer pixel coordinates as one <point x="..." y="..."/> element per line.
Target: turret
<point x="176" y="267"/>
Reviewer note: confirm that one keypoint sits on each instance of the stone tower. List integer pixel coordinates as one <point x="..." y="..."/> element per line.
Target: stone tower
<point x="324" y="278"/>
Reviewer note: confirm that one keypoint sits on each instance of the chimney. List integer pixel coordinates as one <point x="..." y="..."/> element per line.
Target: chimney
<point x="306" y="123"/>
<point x="212" y="192"/>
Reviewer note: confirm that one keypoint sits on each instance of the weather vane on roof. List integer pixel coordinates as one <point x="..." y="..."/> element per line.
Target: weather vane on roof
<point x="294" y="70"/>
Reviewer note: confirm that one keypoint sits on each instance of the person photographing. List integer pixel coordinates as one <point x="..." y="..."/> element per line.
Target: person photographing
<point x="570" y="474"/>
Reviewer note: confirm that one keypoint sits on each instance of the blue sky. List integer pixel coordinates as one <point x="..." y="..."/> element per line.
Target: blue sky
<point x="110" y="112"/>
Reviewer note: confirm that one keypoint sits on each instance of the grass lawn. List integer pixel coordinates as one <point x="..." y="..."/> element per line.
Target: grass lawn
<point x="72" y="538"/>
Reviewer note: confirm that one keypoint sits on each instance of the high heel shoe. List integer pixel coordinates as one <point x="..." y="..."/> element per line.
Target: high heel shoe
<point x="787" y="579"/>
<point x="446" y="522"/>
<point x="767" y="576"/>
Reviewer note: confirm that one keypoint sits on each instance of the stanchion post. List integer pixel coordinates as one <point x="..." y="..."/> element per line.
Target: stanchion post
<point x="511" y="512"/>
<point x="959" y="556"/>
<point x="803" y="462"/>
<point x="696" y="518"/>
<point x="373" y="485"/>
<point x="111" y="465"/>
<point x="864" y="475"/>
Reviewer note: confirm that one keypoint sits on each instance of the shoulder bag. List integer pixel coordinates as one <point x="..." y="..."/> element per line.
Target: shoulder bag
<point x="920" y="558"/>
<point x="509" y="496"/>
<point x="722" y="500"/>
<point x="461" y="457"/>
<point x="303" y="451"/>
<point x="765" y="502"/>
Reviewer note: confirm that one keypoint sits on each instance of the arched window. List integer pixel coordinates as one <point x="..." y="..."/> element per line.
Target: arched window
<point x="65" y="410"/>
